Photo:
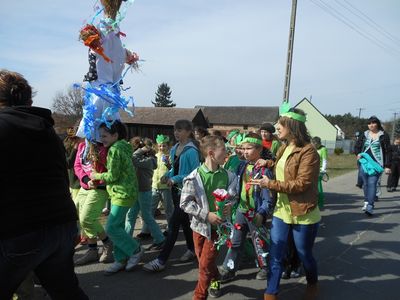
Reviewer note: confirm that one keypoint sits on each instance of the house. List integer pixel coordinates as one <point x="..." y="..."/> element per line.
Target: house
<point x="318" y="125"/>
<point x="247" y="118"/>
<point x="150" y="121"/>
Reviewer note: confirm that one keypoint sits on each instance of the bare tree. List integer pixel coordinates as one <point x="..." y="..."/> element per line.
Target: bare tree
<point x="69" y="103"/>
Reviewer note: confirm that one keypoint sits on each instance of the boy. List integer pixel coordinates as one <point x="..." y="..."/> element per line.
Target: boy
<point x="254" y="206"/>
<point x="198" y="201"/>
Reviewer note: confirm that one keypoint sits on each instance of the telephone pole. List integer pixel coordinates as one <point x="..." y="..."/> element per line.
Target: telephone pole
<point x="394" y="125"/>
<point x="359" y="112"/>
<point x="290" y="52"/>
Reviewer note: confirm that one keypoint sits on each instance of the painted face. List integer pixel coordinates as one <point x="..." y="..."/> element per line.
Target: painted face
<point x="219" y="154"/>
<point x="283" y="132"/>
<point x="373" y="127"/>
<point x="181" y="134"/>
<point x="107" y="138"/>
<point x="163" y="148"/>
<point x="250" y="152"/>
<point x="265" y="135"/>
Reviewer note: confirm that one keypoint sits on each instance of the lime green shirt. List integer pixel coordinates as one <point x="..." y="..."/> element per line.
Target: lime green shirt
<point x="212" y="181"/>
<point x="282" y="208"/>
<point x="244" y="204"/>
<point x="323" y="154"/>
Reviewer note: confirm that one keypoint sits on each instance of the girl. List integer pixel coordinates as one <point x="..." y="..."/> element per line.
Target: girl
<point x="296" y="211"/>
<point x="184" y="158"/>
<point x="90" y="201"/>
<point x="122" y="186"/>
<point x="145" y="162"/>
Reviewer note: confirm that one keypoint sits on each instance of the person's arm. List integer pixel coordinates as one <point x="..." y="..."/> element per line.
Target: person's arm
<point x="324" y="160"/>
<point x="188" y="201"/>
<point x="308" y="164"/>
<point x="387" y="150"/>
<point x="189" y="161"/>
<point x="141" y="161"/>
<point x="78" y="169"/>
<point x="113" y="167"/>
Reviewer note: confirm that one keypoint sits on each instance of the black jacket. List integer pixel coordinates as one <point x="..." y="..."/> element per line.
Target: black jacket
<point x="34" y="189"/>
<point x="384" y="140"/>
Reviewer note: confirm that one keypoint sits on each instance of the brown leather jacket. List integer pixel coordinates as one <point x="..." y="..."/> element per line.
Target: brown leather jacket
<point x="301" y="179"/>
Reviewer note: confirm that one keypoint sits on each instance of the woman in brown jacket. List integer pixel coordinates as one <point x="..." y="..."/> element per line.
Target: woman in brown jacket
<point x="296" y="170"/>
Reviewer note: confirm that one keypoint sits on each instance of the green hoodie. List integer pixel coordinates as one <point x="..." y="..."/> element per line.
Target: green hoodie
<point x="121" y="180"/>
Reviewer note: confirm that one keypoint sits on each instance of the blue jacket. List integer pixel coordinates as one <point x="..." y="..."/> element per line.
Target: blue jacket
<point x="188" y="161"/>
<point x="264" y="204"/>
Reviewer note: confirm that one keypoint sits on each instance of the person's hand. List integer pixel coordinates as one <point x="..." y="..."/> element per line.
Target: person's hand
<point x="258" y="220"/>
<point x="92" y="175"/>
<point x="131" y="57"/>
<point x="214" y="219"/>
<point x="264" y="163"/>
<point x="145" y="149"/>
<point x="227" y="209"/>
<point x="92" y="185"/>
<point x="358" y="156"/>
<point x="263" y="182"/>
<point x="170" y="182"/>
<point x="388" y="171"/>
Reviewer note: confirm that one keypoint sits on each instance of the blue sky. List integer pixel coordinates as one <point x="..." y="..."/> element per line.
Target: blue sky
<point x="219" y="52"/>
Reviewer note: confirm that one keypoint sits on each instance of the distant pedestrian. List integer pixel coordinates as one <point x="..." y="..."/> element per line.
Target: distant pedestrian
<point x="393" y="179"/>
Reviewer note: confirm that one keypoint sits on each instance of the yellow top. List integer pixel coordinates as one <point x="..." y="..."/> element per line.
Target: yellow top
<point x="282" y="208"/>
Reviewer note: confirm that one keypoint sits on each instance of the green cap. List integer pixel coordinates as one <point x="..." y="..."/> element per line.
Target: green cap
<point x="162" y="139"/>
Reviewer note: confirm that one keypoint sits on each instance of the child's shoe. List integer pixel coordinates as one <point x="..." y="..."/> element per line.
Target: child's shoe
<point x="107" y="255"/>
<point x="187" y="256"/>
<point x="215" y="289"/>
<point x="134" y="260"/>
<point x="114" y="268"/>
<point x="143" y="236"/>
<point x="226" y="275"/>
<point x="262" y="274"/>
<point x="154" y="266"/>
<point x="365" y="206"/>
<point x="90" y="256"/>
<point x="156" y="246"/>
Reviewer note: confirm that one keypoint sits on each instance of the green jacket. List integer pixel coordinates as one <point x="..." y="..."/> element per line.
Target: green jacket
<point x="121" y="180"/>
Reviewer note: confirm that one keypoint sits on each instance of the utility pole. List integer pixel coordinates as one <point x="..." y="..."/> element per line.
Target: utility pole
<point x="290" y="52"/>
<point x="359" y="112"/>
<point x="394" y="125"/>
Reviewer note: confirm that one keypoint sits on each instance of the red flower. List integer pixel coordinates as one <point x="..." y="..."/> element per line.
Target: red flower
<point x="228" y="243"/>
<point x="237" y="226"/>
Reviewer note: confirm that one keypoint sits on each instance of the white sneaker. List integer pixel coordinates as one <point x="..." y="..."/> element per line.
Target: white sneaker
<point x="154" y="266"/>
<point x="187" y="256"/>
<point x="134" y="260"/>
<point x="114" y="268"/>
<point x="365" y="206"/>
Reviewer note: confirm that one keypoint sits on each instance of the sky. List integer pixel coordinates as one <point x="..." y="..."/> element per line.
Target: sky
<point x="221" y="52"/>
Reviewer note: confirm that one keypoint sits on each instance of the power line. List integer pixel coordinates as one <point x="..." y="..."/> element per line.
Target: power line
<point x="337" y="15"/>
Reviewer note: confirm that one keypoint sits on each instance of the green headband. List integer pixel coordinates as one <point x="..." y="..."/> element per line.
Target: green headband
<point x="232" y="134"/>
<point x="251" y="140"/>
<point x="162" y="139"/>
<point x="285" y="111"/>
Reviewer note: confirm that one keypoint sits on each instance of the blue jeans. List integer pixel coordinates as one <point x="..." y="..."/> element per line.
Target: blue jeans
<point x="48" y="252"/>
<point x="166" y="197"/>
<point x="304" y="237"/>
<point x="369" y="187"/>
<point x="144" y="205"/>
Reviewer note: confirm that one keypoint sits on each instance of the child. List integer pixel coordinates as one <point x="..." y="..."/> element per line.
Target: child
<point x="71" y="143"/>
<point x="235" y="158"/>
<point x="323" y="157"/>
<point x="184" y="159"/>
<point x="161" y="190"/>
<point x="254" y="206"/>
<point x="145" y="162"/>
<point x="90" y="201"/>
<point x="122" y="186"/>
<point x="198" y="201"/>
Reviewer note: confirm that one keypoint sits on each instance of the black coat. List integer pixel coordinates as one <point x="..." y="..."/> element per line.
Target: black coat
<point x="384" y="140"/>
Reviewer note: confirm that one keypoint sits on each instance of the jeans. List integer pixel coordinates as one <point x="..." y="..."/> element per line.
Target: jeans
<point x="166" y="197"/>
<point x="238" y="239"/>
<point x="144" y="205"/>
<point x="124" y="244"/>
<point x="304" y="237"/>
<point x="48" y="252"/>
<point x="369" y="187"/>
<point x="179" y="217"/>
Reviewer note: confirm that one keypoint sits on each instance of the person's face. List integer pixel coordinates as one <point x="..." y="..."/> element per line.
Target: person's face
<point x="282" y="131"/>
<point x="373" y="127"/>
<point x="197" y="135"/>
<point x="219" y="154"/>
<point x="232" y="141"/>
<point x="107" y="138"/>
<point x="265" y="135"/>
<point x="163" y="148"/>
<point x="239" y="152"/>
<point x="181" y="134"/>
<point x="251" y="152"/>
<point x="397" y="141"/>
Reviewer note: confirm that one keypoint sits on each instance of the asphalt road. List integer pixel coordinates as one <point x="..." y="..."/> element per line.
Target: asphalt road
<point x="358" y="258"/>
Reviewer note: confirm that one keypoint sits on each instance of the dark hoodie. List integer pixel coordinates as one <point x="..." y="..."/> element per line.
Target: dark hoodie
<point x="34" y="188"/>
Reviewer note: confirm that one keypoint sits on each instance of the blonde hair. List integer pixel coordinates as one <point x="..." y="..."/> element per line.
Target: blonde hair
<point x="210" y="141"/>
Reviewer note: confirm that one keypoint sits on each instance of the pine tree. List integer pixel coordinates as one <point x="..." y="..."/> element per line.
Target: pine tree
<point x="397" y="128"/>
<point x="163" y="96"/>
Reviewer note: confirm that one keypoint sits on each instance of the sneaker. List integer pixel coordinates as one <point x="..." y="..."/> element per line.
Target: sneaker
<point x="187" y="256"/>
<point x="365" y="206"/>
<point x="154" y="266"/>
<point x="165" y="233"/>
<point x="214" y="290"/>
<point x="156" y="246"/>
<point x="262" y="274"/>
<point x="295" y="273"/>
<point x="107" y="255"/>
<point x="134" y="260"/>
<point x="227" y="275"/>
<point x="143" y="236"/>
<point x="114" y="268"/>
<point x="90" y="256"/>
<point x="369" y="211"/>
<point x="359" y="186"/>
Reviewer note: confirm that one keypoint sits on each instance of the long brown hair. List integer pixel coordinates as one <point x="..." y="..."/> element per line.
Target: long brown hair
<point x="297" y="130"/>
